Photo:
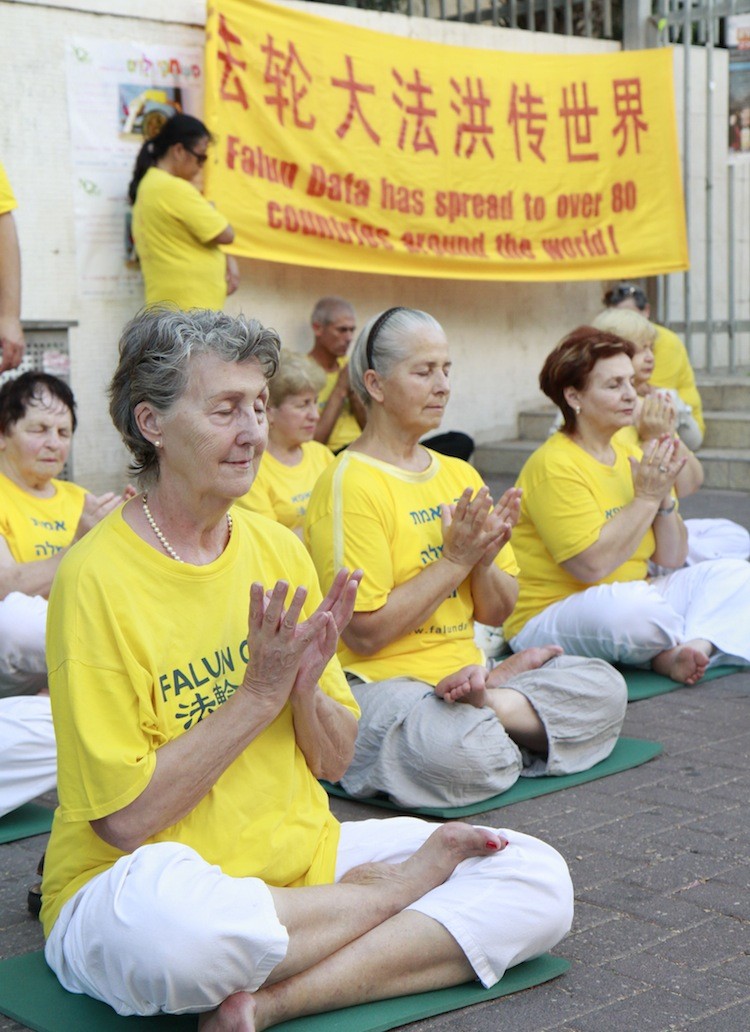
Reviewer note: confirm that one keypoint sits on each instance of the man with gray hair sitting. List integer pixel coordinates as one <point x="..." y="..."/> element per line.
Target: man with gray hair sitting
<point x="342" y="415"/>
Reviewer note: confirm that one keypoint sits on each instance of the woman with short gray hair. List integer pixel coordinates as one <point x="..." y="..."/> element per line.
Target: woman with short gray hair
<point x="436" y="557"/>
<point x="194" y="864"/>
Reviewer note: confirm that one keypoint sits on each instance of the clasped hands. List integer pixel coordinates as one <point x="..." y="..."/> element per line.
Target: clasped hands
<point x="288" y="655"/>
<point x="656" y="416"/>
<point x="654" y="476"/>
<point x="475" y="529"/>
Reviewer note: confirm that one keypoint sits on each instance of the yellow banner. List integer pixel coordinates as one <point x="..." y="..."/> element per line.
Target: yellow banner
<point x="344" y="148"/>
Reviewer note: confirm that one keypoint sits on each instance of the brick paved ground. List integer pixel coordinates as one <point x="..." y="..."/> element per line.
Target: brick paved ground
<point x="660" y="858"/>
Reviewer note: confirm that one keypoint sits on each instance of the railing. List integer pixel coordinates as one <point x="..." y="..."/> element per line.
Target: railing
<point x="599" y="19"/>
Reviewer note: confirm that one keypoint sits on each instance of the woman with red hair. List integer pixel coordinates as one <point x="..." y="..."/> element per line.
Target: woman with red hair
<point x="594" y="511"/>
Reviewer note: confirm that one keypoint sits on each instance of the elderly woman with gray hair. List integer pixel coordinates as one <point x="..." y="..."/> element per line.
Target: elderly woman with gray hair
<point x="436" y="557"/>
<point x="194" y="864"/>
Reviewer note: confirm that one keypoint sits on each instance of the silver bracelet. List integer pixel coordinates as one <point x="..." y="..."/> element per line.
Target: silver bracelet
<point x="669" y="511"/>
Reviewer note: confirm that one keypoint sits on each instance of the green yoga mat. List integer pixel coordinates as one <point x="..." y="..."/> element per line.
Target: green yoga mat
<point x="645" y="684"/>
<point x="24" y="822"/>
<point x="31" y="994"/>
<point x="629" y="752"/>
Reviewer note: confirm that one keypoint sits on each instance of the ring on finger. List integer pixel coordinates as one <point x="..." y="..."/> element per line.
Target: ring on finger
<point x="662" y="469"/>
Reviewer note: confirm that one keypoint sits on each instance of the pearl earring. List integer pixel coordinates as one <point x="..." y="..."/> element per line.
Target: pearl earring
<point x="577" y="410"/>
<point x="157" y="444"/>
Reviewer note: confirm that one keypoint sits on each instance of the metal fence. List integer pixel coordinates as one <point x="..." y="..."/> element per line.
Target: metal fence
<point x="595" y="18"/>
<point x="710" y="308"/>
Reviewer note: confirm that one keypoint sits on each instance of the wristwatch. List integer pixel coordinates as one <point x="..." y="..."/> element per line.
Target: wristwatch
<point x="669" y="510"/>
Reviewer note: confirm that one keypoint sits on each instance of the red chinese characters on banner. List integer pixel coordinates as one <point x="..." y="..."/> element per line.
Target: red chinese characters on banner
<point x="527" y="110"/>
<point x="354" y="88"/>
<point x="294" y="95"/>
<point x="577" y="114"/>
<point x="628" y="110"/>
<point x="286" y="73"/>
<point x="475" y="107"/>
<point x="229" y="63"/>
<point x="417" y="110"/>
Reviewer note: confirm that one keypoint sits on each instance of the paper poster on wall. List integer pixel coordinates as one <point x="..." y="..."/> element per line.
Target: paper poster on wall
<point x="119" y="94"/>
<point x="738" y="41"/>
<point x="345" y="148"/>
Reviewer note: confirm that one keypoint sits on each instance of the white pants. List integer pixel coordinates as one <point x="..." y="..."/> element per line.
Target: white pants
<point x="23" y="667"/>
<point x="711" y="539"/>
<point x="633" y="621"/>
<point x="28" y="757"/>
<point x="164" y="931"/>
<point x="716" y="539"/>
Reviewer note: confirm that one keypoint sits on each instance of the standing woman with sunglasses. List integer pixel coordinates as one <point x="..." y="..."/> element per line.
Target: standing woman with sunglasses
<point x="177" y="232"/>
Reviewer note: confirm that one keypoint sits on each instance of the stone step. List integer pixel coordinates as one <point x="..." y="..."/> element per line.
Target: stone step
<point x="503" y="458"/>
<point x="534" y="424"/>
<point x="724" y="468"/>
<point x="724" y="429"/>
<point x="725" y="392"/>
<point x="728" y="429"/>
<point x="730" y="393"/>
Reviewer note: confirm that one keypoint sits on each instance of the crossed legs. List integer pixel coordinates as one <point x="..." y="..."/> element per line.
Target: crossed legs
<point x="426" y="909"/>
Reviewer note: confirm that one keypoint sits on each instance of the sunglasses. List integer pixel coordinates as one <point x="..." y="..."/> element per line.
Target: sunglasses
<point x="200" y="158"/>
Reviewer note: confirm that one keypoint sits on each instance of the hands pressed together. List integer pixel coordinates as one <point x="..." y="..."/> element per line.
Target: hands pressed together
<point x="474" y="529"/>
<point x="656" y="417"/>
<point x="654" y="476"/>
<point x="288" y="656"/>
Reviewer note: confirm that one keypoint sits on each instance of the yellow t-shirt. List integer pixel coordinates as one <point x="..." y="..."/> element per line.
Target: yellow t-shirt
<point x="141" y="648"/>
<point x="672" y="369"/>
<point x="369" y="514"/>
<point x="7" y="200"/>
<point x="37" y="528"/>
<point x="567" y="498"/>
<point x="282" y="492"/>
<point x="346" y="428"/>
<point x="172" y="226"/>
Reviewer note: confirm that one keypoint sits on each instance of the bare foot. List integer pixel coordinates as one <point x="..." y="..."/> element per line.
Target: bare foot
<point x="520" y="662"/>
<point x="684" y="663"/>
<point x="235" y="1014"/>
<point x="468" y="685"/>
<point x="433" y="862"/>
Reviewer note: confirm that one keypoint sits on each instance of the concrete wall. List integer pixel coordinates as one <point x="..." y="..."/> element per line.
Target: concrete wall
<point x="500" y="332"/>
<point x="35" y="150"/>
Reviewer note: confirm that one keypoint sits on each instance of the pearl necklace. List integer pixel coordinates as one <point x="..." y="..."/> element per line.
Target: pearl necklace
<point x="165" y="544"/>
